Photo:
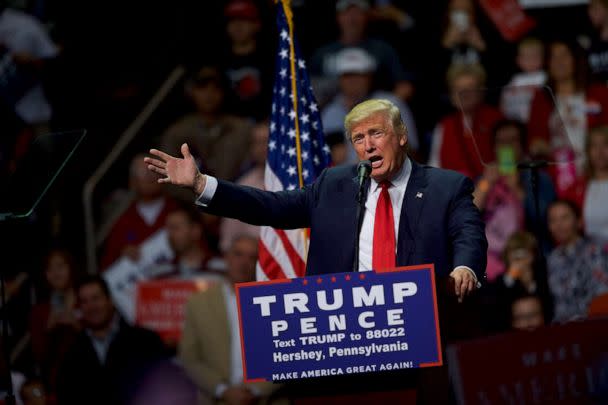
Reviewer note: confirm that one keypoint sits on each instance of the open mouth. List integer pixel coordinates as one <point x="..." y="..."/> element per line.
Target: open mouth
<point x="376" y="161"/>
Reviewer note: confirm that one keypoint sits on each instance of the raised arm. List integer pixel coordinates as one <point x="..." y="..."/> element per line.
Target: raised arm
<point x="285" y="209"/>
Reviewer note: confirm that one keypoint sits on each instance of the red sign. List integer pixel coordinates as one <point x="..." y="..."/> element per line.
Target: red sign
<point x="160" y="305"/>
<point x="560" y="364"/>
<point x="509" y="18"/>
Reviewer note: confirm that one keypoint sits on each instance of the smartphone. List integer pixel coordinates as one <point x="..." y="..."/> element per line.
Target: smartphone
<point x="506" y="161"/>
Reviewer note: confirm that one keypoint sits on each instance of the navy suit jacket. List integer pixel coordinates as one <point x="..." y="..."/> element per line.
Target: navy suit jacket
<point x="439" y="223"/>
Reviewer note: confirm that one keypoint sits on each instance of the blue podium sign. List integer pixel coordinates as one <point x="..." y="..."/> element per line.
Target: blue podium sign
<point x="338" y="324"/>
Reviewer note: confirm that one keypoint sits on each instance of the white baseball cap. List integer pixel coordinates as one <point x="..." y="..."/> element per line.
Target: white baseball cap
<point x="354" y="60"/>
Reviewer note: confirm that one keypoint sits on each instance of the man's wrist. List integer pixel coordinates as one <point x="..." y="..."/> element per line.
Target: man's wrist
<point x="199" y="183"/>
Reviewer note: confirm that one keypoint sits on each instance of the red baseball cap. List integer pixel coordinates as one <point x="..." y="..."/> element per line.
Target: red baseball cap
<point x="245" y="9"/>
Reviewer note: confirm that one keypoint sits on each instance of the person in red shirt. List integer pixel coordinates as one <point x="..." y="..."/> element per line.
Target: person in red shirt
<point x="146" y="215"/>
<point x="561" y="118"/>
<point x="462" y="141"/>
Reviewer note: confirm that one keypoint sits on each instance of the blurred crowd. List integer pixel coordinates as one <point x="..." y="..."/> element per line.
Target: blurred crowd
<point x="527" y="120"/>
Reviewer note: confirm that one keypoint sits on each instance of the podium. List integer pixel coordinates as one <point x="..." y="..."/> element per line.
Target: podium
<point x="343" y="327"/>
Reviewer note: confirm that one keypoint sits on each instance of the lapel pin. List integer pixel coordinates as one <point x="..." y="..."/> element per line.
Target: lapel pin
<point x="419" y="195"/>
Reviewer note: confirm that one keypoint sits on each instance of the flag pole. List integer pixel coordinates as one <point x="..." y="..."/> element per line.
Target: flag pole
<point x="286" y="4"/>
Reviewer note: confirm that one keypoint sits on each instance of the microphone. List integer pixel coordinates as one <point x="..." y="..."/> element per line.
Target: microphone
<point x="364" y="168"/>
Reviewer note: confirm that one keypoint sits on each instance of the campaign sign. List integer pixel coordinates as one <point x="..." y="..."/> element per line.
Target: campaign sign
<point x="338" y="324"/>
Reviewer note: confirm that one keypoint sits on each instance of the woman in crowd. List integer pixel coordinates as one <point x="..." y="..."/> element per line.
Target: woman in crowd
<point x="504" y="193"/>
<point x="524" y="274"/>
<point x="577" y="267"/>
<point x="558" y="126"/>
<point x="590" y="192"/>
<point x="53" y="321"/>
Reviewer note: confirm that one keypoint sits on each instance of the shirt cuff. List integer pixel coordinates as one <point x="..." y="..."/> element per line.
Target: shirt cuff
<point x="220" y="389"/>
<point x="477" y="283"/>
<point x="206" y="196"/>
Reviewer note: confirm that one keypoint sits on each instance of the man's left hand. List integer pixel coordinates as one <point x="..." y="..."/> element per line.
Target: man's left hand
<point x="464" y="282"/>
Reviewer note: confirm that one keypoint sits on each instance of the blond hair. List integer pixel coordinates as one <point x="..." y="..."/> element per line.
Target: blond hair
<point x="456" y="70"/>
<point x="371" y="107"/>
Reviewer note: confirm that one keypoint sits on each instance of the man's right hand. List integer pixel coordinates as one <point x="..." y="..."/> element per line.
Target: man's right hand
<point x="179" y="171"/>
<point x="238" y="396"/>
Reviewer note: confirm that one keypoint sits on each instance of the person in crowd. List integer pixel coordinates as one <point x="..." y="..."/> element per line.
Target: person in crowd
<point x="527" y="312"/>
<point x="212" y="355"/>
<point x="109" y="358"/>
<point x="247" y="63"/>
<point x="590" y="191"/>
<point x="504" y="193"/>
<point x="517" y="96"/>
<point x="462" y="140"/>
<point x="524" y="275"/>
<point x="577" y="267"/>
<point x="219" y="141"/>
<point x="186" y="238"/>
<point x="560" y="123"/>
<point x="25" y="51"/>
<point x="338" y="147"/>
<point x="253" y="177"/>
<point x="597" y="53"/>
<point x="355" y="68"/>
<point x="462" y="39"/>
<point x="353" y="17"/>
<point x="32" y="392"/>
<point x="53" y="321"/>
<point x="144" y="216"/>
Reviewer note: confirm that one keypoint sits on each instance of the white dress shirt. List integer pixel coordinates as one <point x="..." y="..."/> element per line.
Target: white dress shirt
<point x="396" y="192"/>
<point x="366" y="237"/>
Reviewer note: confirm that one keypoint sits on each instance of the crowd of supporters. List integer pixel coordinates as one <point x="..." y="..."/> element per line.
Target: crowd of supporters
<point x="472" y="102"/>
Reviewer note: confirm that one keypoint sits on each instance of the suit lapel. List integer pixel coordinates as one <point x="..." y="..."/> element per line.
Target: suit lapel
<point x="410" y="213"/>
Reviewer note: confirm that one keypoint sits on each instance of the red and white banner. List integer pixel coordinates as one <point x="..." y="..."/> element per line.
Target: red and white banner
<point x="509" y="18"/>
<point x="160" y="305"/>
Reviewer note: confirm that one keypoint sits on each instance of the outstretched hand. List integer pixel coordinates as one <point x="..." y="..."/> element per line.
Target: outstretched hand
<point x="174" y="170"/>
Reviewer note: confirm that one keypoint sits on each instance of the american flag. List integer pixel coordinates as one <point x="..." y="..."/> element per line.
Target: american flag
<point x="297" y="152"/>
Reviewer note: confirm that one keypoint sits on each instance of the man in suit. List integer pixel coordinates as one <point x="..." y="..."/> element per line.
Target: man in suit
<point x="109" y="361"/>
<point x="210" y="348"/>
<point x="413" y="214"/>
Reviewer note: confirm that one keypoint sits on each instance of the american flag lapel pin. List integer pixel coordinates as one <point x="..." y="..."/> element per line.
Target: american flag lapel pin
<point x="419" y="195"/>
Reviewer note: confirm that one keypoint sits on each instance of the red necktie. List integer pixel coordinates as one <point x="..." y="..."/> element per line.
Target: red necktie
<point x="383" y="255"/>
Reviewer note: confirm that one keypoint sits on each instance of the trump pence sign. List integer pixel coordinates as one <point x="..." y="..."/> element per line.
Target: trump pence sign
<point x="336" y="324"/>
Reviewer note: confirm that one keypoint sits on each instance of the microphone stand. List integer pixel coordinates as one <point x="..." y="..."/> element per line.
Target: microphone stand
<point x="363" y="171"/>
<point x="535" y="166"/>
